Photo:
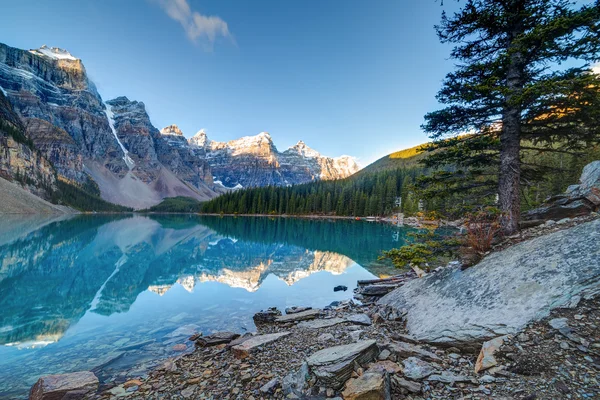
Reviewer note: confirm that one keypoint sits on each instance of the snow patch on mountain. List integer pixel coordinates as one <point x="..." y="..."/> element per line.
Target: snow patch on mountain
<point x="54" y="53"/>
<point x="111" y="122"/>
<point x="236" y="187"/>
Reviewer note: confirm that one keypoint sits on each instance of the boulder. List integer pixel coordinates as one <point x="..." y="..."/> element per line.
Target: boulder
<point x="359" y="319"/>
<point x="578" y="199"/>
<point x="340" y="288"/>
<point x="244" y="349"/>
<point x="216" y="339"/>
<point x="505" y="291"/>
<point x="333" y="366"/>
<point x="64" y="386"/>
<point x="417" y="369"/>
<point x="301" y="316"/>
<point x="369" y="386"/>
<point x="554" y="211"/>
<point x="486" y="357"/>
<point x="266" y="316"/>
<point x="589" y="183"/>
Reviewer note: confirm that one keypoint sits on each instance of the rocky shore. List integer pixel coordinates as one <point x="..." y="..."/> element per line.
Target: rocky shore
<point x="367" y="348"/>
<point x="349" y="351"/>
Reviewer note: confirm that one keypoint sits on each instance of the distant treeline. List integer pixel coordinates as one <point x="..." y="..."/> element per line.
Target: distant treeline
<point x="362" y="195"/>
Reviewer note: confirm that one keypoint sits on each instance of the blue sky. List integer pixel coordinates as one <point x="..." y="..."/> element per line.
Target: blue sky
<point x="347" y="77"/>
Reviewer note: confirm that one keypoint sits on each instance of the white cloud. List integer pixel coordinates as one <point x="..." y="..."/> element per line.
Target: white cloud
<point x="596" y="68"/>
<point x="198" y="28"/>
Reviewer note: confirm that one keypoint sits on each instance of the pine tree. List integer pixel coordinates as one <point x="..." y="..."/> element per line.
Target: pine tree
<point x="510" y="94"/>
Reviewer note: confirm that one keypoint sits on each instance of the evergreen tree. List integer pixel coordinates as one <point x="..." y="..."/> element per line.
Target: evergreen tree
<point x="510" y="94"/>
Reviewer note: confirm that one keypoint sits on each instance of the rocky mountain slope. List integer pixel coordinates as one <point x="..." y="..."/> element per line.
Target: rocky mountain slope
<point x="18" y="158"/>
<point x="114" y="147"/>
<point x="253" y="161"/>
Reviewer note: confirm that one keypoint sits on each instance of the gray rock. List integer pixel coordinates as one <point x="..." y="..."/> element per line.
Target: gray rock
<point x="295" y="382"/>
<point x="269" y="387"/>
<point x="243" y="350"/>
<point x="266" y="316"/>
<point x="320" y="323"/>
<point x="359" y="319"/>
<point x="559" y="323"/>
<point x="504" y="292"/>
<point x="417" y="369"/>
<point x="589" y="183"/>
<point x="413" y="387"/>
<point x="355" y="335"/>
<point x="216" y="339"/>
<point x="325" y="337"/>
<point x="384" y="355"/>
<point x="333" y="366"/>
<point x="405" y="350"/>
<point x="69" y="386"/>
<point x="295" y="310"/>
<point x="448" y="377"/>
<point x="301" y="316"/>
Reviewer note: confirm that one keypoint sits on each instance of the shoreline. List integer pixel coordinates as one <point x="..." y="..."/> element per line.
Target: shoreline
<point x="273" y="362"/>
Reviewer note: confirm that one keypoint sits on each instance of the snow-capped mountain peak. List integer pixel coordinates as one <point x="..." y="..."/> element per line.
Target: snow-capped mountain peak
<point x="55" y="53"/>
<point x="200" y="139"/>
<point x="302" y="149"/>
<point x="171" y="130"/>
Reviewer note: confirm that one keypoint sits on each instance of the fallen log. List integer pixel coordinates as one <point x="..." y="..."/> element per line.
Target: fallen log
<point x="377" y="290"/>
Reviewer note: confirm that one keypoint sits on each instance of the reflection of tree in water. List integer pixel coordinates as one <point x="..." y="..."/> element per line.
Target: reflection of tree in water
<point x="361" y="241"/>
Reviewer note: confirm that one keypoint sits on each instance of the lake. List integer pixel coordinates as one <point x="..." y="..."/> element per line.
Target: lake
<point x="117" y="294"/>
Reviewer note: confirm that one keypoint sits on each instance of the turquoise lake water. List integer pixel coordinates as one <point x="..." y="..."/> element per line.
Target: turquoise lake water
<point x="115" y="294"/>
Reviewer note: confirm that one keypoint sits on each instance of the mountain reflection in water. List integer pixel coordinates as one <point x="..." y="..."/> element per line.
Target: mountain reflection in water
<point x="108" y="293"/>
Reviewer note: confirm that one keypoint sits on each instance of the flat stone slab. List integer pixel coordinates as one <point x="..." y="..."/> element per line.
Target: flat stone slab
<point x="216" y="339"/>
<point x="417" y="369"/>
<point x="448" y="377"/>
<point x="320" y="323"/>
<point x="301" y="316"/>
<point x="359" y="319"/>
<point x="405" y="350"/>
<point x="244" y="349"/>
<point x="333" y="366"/>
<point x="505" y="291"/>
<point x="69" y="386"/>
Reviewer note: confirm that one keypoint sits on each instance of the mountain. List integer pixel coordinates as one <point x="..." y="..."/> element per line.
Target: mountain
<point x="113" y="146"/>
<point x="112" y="150"/>
<point x="254" y="161"/>
<point x="399" y="159"/>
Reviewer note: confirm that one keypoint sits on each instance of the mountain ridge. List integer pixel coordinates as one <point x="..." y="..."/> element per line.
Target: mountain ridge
<point x="114" y="146"/>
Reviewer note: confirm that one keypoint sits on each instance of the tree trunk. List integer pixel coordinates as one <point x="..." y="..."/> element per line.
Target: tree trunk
<point x="510" y="171"/>
<point x="510" y="166"/>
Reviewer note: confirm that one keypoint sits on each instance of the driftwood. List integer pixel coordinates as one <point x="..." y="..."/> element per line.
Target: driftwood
<point x="381" y="287"/>
<point x="377" y="290"/>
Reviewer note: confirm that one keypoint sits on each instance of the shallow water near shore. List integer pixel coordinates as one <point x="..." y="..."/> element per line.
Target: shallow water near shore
<point x="117" y="294"/>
